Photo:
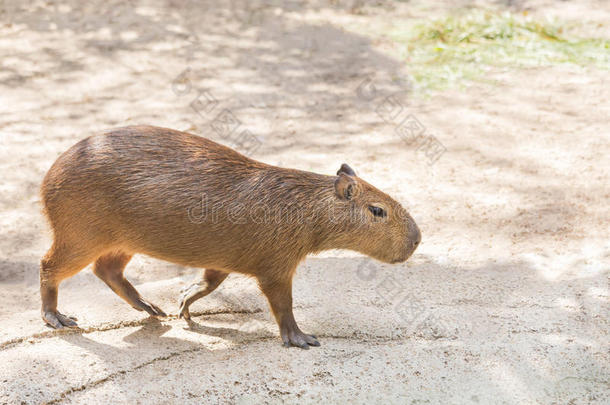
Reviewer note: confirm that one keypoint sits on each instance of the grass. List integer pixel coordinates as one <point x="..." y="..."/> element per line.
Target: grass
<point x="456" y="49"/>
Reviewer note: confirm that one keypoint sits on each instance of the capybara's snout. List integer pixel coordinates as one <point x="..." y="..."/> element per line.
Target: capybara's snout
<point x="413" y="239"/>
<point x="411" y="242"/>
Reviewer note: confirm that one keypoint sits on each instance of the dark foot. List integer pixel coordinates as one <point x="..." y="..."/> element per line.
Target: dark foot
<point x="152" y="309"/>
<point x="187" y="293"/>
<point x="299" y="339"/>
<point x="57" y="320"/>
<point x="184" y="312"/>
<point x="210" y="281"/>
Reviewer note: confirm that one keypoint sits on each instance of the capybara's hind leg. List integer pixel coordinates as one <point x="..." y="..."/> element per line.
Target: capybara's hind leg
<point x="109" y="268"/>
<point x="210" y="281"/>
<point x="58" y="264"/>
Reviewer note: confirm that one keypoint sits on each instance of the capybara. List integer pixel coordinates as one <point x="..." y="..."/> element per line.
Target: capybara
<point x="187" y="200"/>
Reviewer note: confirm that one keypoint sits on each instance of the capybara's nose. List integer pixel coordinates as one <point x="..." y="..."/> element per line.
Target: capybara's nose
<point x="415" y="236"/>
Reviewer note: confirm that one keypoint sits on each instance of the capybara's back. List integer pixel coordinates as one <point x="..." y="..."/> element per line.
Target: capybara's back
<point x="133" y="188"/>
<point x="191" y="201"/>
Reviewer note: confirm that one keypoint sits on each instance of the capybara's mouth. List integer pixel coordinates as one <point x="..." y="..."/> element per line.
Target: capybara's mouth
<point x="405" y="257"/>
<point x="401" y="260"/>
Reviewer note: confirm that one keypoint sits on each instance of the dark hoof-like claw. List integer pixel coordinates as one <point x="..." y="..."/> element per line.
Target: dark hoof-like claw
<point x="185" y="299"/>
<point x="299" y="339"/>
<point x="184" y="312"/>
<point x="152" y="309"/>
<point x="57" y="320"/>
<point x="184" y="309"/>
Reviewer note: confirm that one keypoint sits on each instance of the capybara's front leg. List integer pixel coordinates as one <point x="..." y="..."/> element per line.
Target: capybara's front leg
<point x="279" y="294"/>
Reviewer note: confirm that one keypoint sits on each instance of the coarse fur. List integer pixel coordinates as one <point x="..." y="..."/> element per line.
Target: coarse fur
<point x="187" y="200"/>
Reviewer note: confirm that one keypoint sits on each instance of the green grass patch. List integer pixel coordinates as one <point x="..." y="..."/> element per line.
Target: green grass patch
<point x="456" y="49"/>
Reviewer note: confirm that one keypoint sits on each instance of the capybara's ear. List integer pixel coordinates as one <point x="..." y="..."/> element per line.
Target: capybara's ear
<point x="346" y="187"/>
<point x="346" y="169"/>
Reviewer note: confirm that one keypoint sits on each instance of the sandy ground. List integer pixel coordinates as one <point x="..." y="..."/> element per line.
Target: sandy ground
<point x="505" y="301"/>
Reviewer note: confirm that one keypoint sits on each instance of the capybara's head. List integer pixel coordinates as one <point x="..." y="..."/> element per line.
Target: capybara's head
<point x="380" y="227"/>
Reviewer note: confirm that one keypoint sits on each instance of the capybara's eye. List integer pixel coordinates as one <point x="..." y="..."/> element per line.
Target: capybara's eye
<point x="378" y="211"/>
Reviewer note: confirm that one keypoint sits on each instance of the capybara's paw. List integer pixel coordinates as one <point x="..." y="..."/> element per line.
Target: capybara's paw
<point x="151" y="308"/>
<point x="58" y="320"/>
<point x="186" y="298"/>
<point x="299" y="339"/>
<point x="184" y="311"/>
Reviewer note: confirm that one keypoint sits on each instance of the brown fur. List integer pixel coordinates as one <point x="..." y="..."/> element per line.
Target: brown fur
<point x="188" y="200"/>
